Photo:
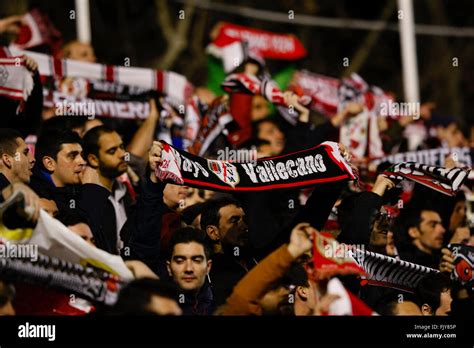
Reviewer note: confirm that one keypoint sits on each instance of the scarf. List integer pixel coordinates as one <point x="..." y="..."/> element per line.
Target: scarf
<point x="331" y="258"/>
<point x="360" y="134"/>
<point x="246" y="83"/>
<point x="264" y="43"/>
<point x="432" y="157"/>
<point x="89" y="283"/>
<point x="387" y="271"/>
<point x="317" y="165"/>
<point x="215" y="120"/>
<point x="53" y="239"/>
<point x="173" y="85"/>
<point x="16" y="81"/>
<point x="444" y="180"/>
<point x="321" y="89"/>
<point x="38" y="30"/>
<point x="79" y="96"/>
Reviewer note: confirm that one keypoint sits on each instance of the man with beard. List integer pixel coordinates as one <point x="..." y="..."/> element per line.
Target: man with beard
<point x="105" y="154"/>
<point x="223" y="220"/>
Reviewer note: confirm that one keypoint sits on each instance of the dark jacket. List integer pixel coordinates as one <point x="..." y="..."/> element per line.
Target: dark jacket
<point x="409" y="252"/>
<point x="145" y="240"/>
<point x="356" y="218"/>
<point x="226" y="272"/>
<point x="197" y="304"/>
<point x="92" y="201"/>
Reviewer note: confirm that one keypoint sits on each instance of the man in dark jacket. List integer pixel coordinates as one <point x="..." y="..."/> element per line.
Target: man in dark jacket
<point x="188" y="265"/>
<point x="424" y="234"/>
<point x="59" y="167"/>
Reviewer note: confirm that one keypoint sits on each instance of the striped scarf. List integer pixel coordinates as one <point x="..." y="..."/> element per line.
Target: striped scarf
<point x="387" y="271"/>
<point x="174" y="85"/>
<point x="444" y="180"/>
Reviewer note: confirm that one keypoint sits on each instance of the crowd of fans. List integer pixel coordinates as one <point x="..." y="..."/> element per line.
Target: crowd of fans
<point x="200" y="252"/>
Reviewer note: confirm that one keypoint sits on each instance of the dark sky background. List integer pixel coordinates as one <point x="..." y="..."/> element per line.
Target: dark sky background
<point x="129" y="28"/>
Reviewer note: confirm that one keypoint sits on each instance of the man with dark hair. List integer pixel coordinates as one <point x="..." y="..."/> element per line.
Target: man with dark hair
<point x="15" y="168"/>
<point x="147" y="296"/>
<point x="434" y="294"/>
<point x="223" y="221"/>
<point x="188" y="264"/>
<point x="59" y="157"/>
<point x="423" y="231"/>
<point x="105" y="154"/>
<point x="16" y="161"/>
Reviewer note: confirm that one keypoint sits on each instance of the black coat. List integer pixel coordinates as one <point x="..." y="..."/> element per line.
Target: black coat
<point x="225" y="273"/>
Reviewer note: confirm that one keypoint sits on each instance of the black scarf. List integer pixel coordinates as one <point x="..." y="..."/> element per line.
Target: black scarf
<point x="318" y="165"/>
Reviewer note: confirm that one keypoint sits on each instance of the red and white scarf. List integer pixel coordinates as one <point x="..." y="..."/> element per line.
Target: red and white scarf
<point x="246" y="83"/>
<point x="16" y="81"/>
<point x="264" y="43"/>
<point x="174" y="85"/>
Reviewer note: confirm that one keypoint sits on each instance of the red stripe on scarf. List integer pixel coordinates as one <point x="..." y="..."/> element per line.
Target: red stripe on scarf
<point x="159" y="81"/>
<point x="110" y="73"/>
<point x="58" y="67"/>
<point x="268" y="187"/>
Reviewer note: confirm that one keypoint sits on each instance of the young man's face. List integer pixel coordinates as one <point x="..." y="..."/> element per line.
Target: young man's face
<point x="431" y="230"/>
<point x="233" y="229"/>
<point x="69" y="165"/>
<point x="189" y="266"/>
<point x="111" y="155"/>
<point x="22" y="162"/>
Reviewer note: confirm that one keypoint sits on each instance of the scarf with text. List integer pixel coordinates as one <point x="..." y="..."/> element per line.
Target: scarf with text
<point x="318" y="165"/>
<point x="264" y="43"/>
<point x="80" y="96"/>
<point x="432" y="157"/>
<point x="444" y="180"/>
